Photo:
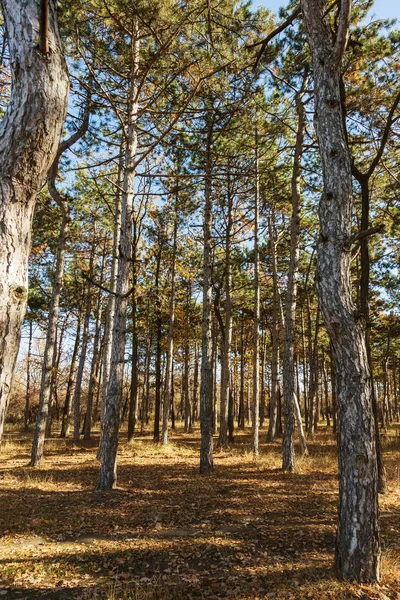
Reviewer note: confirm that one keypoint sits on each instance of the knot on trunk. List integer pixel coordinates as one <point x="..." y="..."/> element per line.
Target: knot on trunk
<point x="18" y="293"/>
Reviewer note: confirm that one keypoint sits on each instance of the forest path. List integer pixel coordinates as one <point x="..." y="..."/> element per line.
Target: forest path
<point x="248" y="531"/>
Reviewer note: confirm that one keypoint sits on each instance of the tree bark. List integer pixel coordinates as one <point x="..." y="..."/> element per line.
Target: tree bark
<point x="65" y="426"/>
<point x="357" y="544"/>
<point x="170" y="342"/>
<point x="112" y="417"/>
<point x="27" y="409"/>
<point x="288" y="367"/>
<point x="110" y="316"/>
<point x="206" y="392"/>
<point x="29" y="136"/>
<point x="275" y="385"/>
<point x="256" y="324"/>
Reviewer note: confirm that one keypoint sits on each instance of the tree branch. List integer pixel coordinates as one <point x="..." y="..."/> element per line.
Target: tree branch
<point x="264" y="43"/>
<point x="343" y="31"/>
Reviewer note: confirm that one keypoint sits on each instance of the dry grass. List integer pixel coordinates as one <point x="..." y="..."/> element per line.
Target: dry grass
<point x="248" y="531"/>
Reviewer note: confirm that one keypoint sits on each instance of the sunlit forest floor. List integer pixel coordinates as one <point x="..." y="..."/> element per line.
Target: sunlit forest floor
<point x="246" y="532"/>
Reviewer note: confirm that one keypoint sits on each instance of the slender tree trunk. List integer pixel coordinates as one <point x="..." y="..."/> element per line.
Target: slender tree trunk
<point x="297" y="413"/>
<point x="364" y="304"/>
<point x="50" y="347"/>
<point x="187" y="413"/>
<point x="226" y="328"/>
<point x="65" y="426"/>
<point x="357" y="543"/>
<point x="288" y="367"/>
<point x="256" y="326"/>
<point x="28" y="379"/>
<point x="110" y="315"/>
<point x="170" y="342"/>
<point x="241" y="413"/>
<point x="109" y="447"/>
<point x="313" y="389"/>
<point x="263" y="361"/>
<point x="195" y="384"/>
<point x="134" y="391"/>
<point x="29" y="136"/>
<point x="275" y="386"/>
<point x="157" y="407"/>
<point x="93" y="382"/>
<point x="53" y="405"/>
<point x="82" y="358"/>
<point x="206" y="450"/>
<point x="214" y="367"/>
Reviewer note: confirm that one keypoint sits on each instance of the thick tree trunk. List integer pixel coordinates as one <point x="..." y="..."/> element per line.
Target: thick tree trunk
<point x="29" y="136"/>
<point x="288" y="367"/>
<point x="206" y="393"/>
<point x="357" y="544"/>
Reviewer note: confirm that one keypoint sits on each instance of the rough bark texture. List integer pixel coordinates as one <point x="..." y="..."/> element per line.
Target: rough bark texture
<point x="112" y="417"/>
<point x="110" y="315"/>
<point x="288" y="367"/>
<point x="65" y="426"/>
<point x="206" y="394"/>
<point x="256" y="326"/>
<point x="29" y="136"/>
<point x="226" y="327"/>
<point x="274" y="402"/>
<point x="357" y="544"/>
<point x="170" y="343"/>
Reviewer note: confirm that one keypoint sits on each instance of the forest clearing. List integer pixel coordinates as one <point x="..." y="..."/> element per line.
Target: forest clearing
<point x="199" y="299"/>
<point x="246" y="532"/>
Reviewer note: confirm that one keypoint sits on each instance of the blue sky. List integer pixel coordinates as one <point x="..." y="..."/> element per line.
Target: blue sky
<point x="382" y="8"/>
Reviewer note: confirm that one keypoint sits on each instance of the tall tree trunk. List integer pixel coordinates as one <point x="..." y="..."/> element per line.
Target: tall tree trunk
<point x="288" y="366"/>
<point x="112" y="417"/>
<point x="187" y="413"/>
<point x="170" y="342"/>
<point x="82" y="357"/>
<point x="54" y="408"/>
<point x="50" y="347"/>
<point x="241" y="383"/>
<point x="93" y="382"/>
<point x="157" y="407"/>
<point x="275" y="386"/>
<point x="29" y="135"/>
<point x="195" y="384"/>
<point x="110" y="315"/>
<point x="226" y="327"/>
<point x="256" y="325"/>
<point x="134" y="391"/>
<point x="65" y="426"/>
<point x="313" y="389"/>
<point x="357" y="543"/>
<point x="364" y="304"/>
<point x="206" y="394"/>
<point x="27" y="409"/>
